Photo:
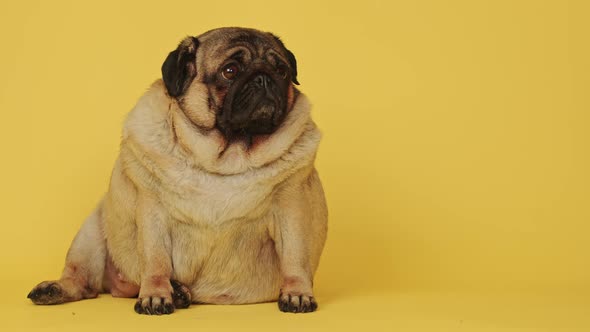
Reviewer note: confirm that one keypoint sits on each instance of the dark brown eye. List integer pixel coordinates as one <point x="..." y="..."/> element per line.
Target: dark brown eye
<point x="282" y="71"/>
<point x="229" y="72"/>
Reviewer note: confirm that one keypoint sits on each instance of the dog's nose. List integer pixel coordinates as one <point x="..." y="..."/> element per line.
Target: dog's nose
<point x="262" y="80"/>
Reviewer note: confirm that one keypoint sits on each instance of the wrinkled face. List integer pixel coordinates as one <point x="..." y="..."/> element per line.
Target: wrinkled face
<point x="248" y="75"/>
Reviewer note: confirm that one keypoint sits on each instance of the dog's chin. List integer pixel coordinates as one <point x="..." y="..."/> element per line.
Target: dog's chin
<point x="250" y="137"/>
<point x="261" y="125"/>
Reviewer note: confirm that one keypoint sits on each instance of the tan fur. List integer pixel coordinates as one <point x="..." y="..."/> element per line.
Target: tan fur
<point x="234" y="223"/>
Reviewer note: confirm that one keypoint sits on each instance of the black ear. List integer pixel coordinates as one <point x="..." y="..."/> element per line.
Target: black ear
<point x="291" y="59"/>
<point x="179" y="68"/>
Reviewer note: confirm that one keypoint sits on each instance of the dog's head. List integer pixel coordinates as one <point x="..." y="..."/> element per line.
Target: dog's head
<point x="240" y="81"/>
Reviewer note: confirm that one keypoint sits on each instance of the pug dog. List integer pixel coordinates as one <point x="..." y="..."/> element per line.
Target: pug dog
<point x="214" y="197"/>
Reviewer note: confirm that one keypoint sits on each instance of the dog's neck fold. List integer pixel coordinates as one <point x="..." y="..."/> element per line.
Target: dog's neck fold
<point x="297" y="138"/>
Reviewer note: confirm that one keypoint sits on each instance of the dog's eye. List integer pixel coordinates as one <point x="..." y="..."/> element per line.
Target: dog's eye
<point x="282" y="71"/>
<point x="229" y="72"/>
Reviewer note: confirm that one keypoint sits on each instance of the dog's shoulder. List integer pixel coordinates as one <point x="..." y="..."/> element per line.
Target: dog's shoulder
<point x="149" y="121"/>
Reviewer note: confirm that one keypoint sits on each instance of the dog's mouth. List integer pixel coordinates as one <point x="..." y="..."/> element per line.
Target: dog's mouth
<point x="255" y="106"/>
<point x="260" y="116"/>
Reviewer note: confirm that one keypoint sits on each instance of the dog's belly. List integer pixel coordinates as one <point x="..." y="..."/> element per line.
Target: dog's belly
<point x="234" y="263"/>
<point x="221" y="245"/>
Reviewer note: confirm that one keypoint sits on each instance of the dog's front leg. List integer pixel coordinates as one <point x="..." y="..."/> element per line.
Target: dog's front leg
<point x="154" y="247"/>
<point x="299" y="236"/>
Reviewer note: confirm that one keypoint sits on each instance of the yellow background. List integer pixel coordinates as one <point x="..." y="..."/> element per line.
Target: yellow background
<point x="455" y="156"/>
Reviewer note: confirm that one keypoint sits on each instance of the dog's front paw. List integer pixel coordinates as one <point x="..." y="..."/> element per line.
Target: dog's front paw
<point x="154" y="305"/>
<point x="297" y="303"/>
<point x="162" y="300"/>
<point x="155" y="297"/>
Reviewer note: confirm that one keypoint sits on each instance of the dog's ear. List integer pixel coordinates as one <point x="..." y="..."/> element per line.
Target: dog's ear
<point x="290" y="58"/>
<point x="180" y="68"/>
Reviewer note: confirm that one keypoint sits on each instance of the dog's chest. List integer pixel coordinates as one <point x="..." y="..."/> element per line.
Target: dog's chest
<point x="197" y="197"/>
